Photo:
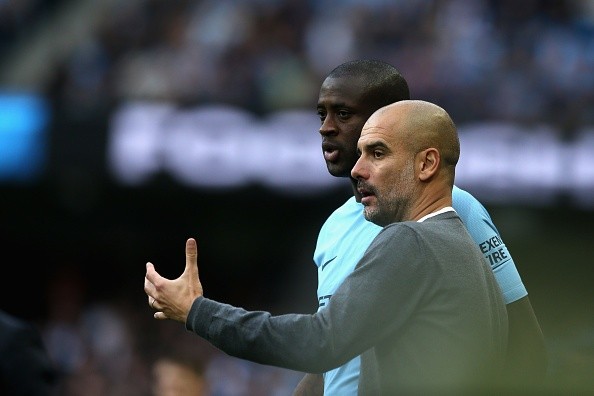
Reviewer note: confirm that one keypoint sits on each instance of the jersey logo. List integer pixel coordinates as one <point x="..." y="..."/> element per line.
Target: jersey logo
<point x="328" y="262"/>
<point x="495" y="251"/>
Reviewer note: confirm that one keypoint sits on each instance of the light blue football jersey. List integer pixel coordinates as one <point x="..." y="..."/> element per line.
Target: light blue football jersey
<point x="346" y="235"/>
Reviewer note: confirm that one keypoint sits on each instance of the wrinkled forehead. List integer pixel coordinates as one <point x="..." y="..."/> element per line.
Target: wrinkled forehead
<point x="373" y="134"/>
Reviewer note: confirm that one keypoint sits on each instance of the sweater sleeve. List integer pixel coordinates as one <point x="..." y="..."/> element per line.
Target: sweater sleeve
<point x="292" y="341"/>
<point x="355" y="318"/>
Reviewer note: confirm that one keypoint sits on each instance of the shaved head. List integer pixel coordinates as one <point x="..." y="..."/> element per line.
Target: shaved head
<point x="408" y="152"/>
<point x="419" y="125"/>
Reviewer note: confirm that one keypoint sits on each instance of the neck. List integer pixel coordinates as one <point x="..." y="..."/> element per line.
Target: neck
<point x="421" y="212"/>
<point x="431" y="200"/>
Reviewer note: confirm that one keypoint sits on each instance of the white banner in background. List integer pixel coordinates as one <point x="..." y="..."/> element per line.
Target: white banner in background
<point x="227" y="147"/>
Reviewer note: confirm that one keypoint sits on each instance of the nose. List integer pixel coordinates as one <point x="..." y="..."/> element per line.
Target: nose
<point x="328" y="127"/>
<point x="358" y="170"/>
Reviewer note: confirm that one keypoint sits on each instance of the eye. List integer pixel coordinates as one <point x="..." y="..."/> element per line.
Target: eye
<point x="322" y="114"/>
<point x="343" y="114"/>
<point x="377" y="154"/>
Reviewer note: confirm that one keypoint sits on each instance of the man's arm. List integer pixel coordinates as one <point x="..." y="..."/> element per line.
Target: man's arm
<point x="295" y="341"/>
<point x="527" y="354"/>
<point x="309" y="343"/>
<point x="310" y="385"/>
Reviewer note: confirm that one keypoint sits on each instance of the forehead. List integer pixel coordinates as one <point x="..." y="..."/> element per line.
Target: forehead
<point x="347" y="90"/>
<point x="376" y="134"/>
<point x="380" y="128"/>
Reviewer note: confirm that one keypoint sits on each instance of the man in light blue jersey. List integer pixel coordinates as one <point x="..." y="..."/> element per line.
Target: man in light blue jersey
<point x="348" y="96"/>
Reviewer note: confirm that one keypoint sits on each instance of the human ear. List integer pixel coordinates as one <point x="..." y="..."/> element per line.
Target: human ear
<point x="428" y="162"/>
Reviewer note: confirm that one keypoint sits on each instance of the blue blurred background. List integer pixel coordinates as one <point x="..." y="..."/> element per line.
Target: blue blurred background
<point x="127" y="127"/>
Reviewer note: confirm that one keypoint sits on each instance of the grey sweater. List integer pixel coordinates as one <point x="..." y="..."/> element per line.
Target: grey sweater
<point x="422" y="307"/>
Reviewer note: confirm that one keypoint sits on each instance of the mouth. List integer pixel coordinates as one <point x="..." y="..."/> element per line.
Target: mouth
<point x="331" y="152"/>
<point x="366" y="194"/>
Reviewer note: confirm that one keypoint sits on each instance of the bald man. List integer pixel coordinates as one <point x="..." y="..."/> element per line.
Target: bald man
<point x="422" y="306"/>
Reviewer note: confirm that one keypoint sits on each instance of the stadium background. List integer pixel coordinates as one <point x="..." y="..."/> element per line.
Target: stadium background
<point x="76" y="236"/>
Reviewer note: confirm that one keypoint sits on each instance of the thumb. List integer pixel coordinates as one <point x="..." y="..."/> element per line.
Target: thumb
<point x="191" y="257"/>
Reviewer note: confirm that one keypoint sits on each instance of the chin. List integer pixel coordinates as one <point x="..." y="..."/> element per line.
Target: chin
<point x="368" y="216"/>
<point x="337" y="171"/>
<point x="374" y="218"/>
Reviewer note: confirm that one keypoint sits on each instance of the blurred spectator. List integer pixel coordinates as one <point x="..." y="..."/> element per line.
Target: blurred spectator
<point x="179" y="373"/>
<point x="479" y="56"/>
<point x="25" y="367"/>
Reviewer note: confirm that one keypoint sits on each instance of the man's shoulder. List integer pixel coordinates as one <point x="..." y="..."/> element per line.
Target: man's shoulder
<point x="468" y="207"/>
<point x="350" y="211"/>
<point x="399" y="229"/>
<point x="348" y="221"/>
<point x="447" y="222"/>
<point x="462" y="196"/>
<point x="350" y="205"/>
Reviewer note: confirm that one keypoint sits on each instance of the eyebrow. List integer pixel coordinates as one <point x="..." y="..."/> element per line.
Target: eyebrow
<point x="372" y="145"/>
<point x="376" y="144"/>
<point x="336" y="105"/>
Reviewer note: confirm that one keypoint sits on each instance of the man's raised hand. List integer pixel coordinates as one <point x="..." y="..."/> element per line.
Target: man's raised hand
<point x="172" y="299"/>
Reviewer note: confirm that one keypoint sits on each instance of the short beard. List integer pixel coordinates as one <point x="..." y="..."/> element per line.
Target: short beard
<point x="395" y="205"/>
<point x="394" y="212"/>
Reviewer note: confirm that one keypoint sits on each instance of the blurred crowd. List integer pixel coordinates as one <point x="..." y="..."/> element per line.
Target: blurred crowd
<point x="528" y="61"/>
<point x="113" y="347"/>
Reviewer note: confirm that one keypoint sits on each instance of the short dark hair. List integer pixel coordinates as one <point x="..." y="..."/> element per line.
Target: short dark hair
<point x="384" y="84"/>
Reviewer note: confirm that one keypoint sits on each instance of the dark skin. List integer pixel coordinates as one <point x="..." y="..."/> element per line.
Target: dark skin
<point x="343" y="109"/>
